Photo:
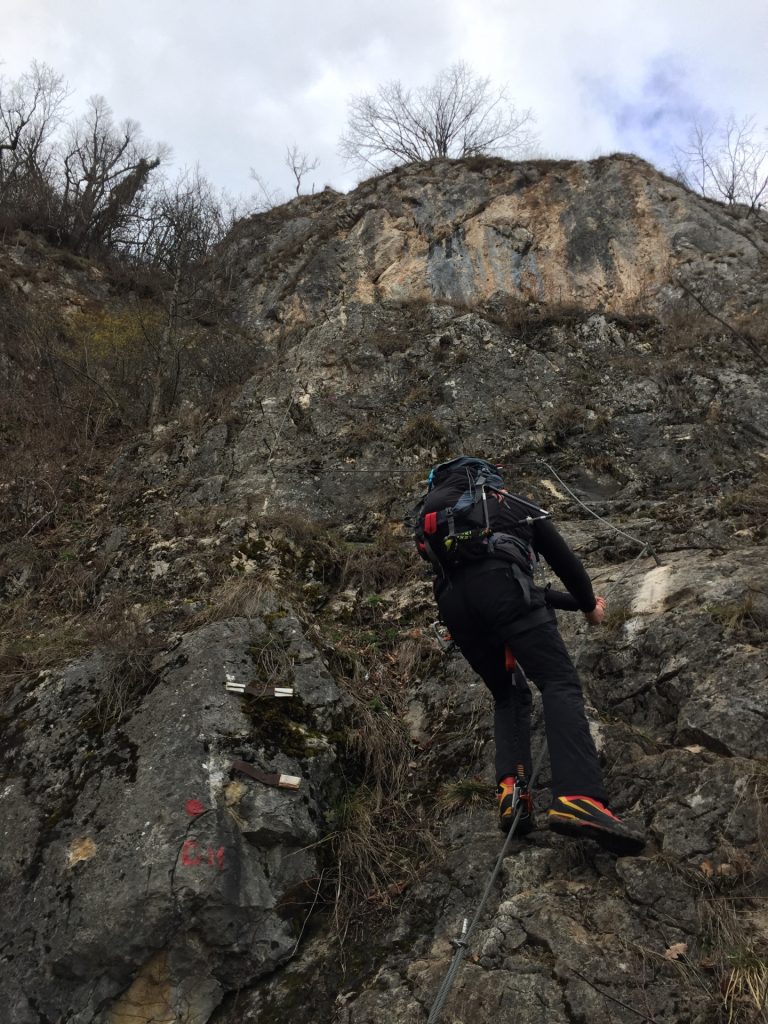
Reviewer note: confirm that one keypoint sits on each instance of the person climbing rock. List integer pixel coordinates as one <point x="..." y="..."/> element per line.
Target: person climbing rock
<point x="482" y="542"/>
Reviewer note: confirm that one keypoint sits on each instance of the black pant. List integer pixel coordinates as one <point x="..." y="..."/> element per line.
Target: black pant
<point x="487" y="611"/>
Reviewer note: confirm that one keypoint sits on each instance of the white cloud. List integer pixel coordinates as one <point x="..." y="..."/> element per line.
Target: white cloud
<point x="231" y="83"/>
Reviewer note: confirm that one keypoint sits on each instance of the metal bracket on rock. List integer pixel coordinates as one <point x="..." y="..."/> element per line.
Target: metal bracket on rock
<point x="275" y="779"/>
<point x="443" y="637"/>
<point x="251" y="690"/>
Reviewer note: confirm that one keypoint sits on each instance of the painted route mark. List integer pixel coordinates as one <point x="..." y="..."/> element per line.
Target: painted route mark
<point x="194" y="856"/>
<point x="192" y="853"/>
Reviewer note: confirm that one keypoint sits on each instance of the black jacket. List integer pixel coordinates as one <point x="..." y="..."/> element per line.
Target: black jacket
<point x="544" y="536"/>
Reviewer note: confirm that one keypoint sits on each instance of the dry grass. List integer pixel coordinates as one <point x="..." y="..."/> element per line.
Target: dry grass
<point x="738" y="957"/>
<point x="384" y="563"/>
<point x="425" y="432"/>
<point x="378" y="848"/>
<point x="380" y="840"/>
<point x="36" y="638"/>
<point x="616" y="617"/>
<point x="128" y="679"/>
<point x="415" y="653"/>
<point x="271" y="659"/>
<point x="746" y="987"/>
<point x="730" y="975"/>
<point x="378" y="740"/>
<point x="235" y="597"/>
<point x="462" y="795"/>
<point x="390" y="341"/>
<point x="569" y="418"/>
<point x="29" y="650"/>
<point x="749" y="504"/>
<point x="745" y="617"/>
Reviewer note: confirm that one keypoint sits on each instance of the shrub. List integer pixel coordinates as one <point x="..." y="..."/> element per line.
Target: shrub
<point x="424" y="431"/>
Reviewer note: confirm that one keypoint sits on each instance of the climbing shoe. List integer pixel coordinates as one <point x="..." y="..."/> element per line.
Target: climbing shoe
<point x="513" y="793"/>
<point x="584" y="818"/>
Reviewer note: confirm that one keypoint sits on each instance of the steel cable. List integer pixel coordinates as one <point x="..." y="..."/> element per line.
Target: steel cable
<point x="461" y="944"/>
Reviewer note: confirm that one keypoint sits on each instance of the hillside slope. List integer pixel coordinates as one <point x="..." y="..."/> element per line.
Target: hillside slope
<point x="552" y="317"/>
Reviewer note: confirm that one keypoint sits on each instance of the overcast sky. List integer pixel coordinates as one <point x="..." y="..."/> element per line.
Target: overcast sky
<point x="229" y="84"/>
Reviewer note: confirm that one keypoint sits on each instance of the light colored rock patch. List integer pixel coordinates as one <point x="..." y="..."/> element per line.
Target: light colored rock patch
<point x="404" y="279"/>
<point x="549" y="486"/>
<point x="653" y="592"/>
<point x="156" y="998"/>
<point x="148" y="998"/>
<point x="80" y="850"/>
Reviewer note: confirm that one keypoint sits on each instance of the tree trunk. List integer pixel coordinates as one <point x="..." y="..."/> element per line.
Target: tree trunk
<point x="156" y="391"/>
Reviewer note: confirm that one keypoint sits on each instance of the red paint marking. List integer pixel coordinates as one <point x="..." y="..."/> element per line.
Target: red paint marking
<point x="193" y="857"/>
<point x="193" y="808"/>
<point x="216" y="857"/>
<point x="189" y="857"/>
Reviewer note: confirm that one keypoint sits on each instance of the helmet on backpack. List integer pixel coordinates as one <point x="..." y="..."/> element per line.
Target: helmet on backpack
<point x="474" y="466"/>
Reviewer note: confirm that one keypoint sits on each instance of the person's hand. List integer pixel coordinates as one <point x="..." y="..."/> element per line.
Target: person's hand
<point x="596" y="616"/>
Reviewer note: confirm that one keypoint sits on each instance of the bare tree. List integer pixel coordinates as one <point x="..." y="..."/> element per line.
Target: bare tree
<point x="185" y="220"/>
<point x="299" y="164"/>
<point x="725" y="161"/>
<point x="38" y="94"/>
<point x="266" y="197"/>
<point x="104" y="168"/>
<point x="30" y="114"/>
<point x="458" y="115"/>
<point x="82" y="182"/>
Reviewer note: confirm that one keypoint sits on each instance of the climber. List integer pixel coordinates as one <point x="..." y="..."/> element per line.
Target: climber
<point x="482" y="542"/>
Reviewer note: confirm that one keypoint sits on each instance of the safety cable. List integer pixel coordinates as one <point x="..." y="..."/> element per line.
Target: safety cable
<point x="461" y="944"/>
<point x="645" y="546"/>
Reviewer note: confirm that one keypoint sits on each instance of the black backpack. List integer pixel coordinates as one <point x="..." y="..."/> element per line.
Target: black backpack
<point x="463" y="533"/>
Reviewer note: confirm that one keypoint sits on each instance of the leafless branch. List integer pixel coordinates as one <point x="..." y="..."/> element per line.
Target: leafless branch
<point x="746" y="339"/>
<point x="727" y="161"/>
<point x="299" y="164"/>
<point x="458" y="115"/>
<point x="266" y="197"/>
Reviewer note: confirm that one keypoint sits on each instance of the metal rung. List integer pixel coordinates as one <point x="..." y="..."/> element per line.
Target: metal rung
<point x="289" y="782"/>
<point x="267" y="778"/>
<point x="252" y="691"/>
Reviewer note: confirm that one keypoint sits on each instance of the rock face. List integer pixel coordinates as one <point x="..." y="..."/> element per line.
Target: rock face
<point x="538" y="314"/>
<point x="160" y="856"/>
<point x="611" y="234"/>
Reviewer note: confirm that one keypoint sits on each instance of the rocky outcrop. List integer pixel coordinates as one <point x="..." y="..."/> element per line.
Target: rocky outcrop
<point x="612" y="234"/>
<point x="533" y="313"/>
<point x="570" y="933"/>
<point x="178" y="876"/>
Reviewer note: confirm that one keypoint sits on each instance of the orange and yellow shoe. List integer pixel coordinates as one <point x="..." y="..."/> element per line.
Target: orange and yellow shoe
<point x="582" y="817"/>
<point x="513" y="793"/>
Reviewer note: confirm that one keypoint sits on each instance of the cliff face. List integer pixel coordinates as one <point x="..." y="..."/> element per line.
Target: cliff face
<point x="612" y="234"/>
<point x="553" y="317"/>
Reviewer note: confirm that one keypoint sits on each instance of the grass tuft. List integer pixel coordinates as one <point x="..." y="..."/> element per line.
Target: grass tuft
<point x="462" y="795"/>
